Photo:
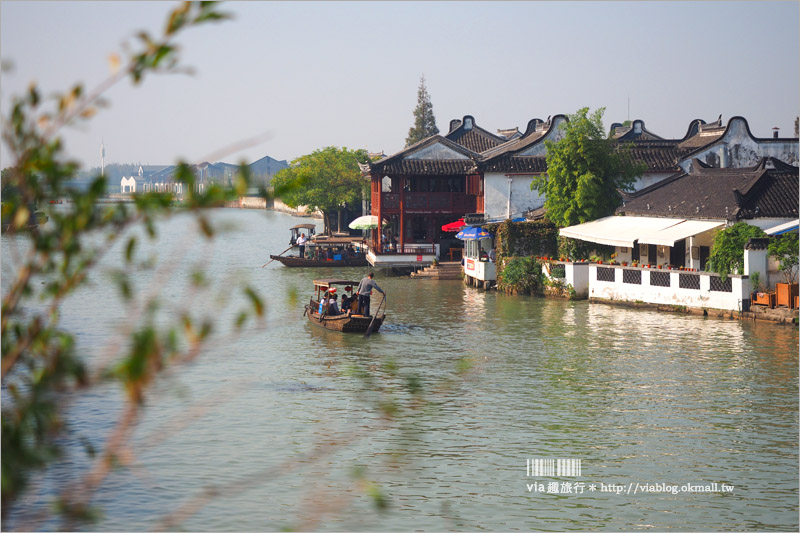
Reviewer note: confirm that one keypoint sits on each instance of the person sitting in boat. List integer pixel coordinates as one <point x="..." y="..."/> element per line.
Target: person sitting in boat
<point x="333" y="308"/>
<point x="347" y="300"/>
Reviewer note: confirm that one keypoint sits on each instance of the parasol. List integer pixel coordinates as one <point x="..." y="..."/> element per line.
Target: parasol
<point x="366" y="222"/>
<point x="458" y="225"/>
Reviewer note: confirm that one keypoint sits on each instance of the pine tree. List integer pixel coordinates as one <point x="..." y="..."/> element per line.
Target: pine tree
<point x="424" y="121"/>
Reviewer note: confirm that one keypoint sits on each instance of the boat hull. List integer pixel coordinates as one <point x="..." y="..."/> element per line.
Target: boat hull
<point x="344" y="323"/>
<point x="294" y="261"/>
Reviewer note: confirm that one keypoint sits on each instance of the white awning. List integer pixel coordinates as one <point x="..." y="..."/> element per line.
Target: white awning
<point x="683" y="229"/>
<point x="780" y="229"/>
<point x="617" y="230"/>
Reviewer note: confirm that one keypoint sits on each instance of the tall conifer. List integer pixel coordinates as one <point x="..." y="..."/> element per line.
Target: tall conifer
<point x="424" y="121"/>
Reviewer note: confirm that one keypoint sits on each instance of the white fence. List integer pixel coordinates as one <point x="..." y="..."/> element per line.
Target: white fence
<point x="651" y="285"/>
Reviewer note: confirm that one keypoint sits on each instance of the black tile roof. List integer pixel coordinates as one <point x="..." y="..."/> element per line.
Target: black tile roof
<point x="403" y="163"/>
<point x="769" y="189"/>
<point x="661" y="156"/>
<point x="427" y="167"/>
<point x="512" y="163"/>
<point x="536" y="130"/>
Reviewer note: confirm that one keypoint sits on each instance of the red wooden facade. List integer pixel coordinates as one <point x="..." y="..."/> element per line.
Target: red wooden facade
<point x="416" y="207"/>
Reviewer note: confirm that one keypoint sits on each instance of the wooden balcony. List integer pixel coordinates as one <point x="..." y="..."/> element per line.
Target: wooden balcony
<point x="429" y="202"/>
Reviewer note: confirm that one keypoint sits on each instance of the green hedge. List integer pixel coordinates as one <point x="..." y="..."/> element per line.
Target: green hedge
<point x="539" y="238"/>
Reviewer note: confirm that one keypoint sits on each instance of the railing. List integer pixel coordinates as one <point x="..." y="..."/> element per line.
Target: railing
<point x="632" y="276"/>
<point x="408" y="249"/>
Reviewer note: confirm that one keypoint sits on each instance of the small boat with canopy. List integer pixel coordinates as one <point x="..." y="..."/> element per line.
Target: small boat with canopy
<point x="322" y="251"/>
<point x="347" y="321"/>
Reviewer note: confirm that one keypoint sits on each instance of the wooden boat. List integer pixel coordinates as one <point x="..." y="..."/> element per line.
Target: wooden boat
<point x="346" y="322"/>
<point x="325" y="251"/>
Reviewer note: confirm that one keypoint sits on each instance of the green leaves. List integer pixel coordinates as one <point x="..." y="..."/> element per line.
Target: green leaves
<point x="727" y="252"/>
<point x="424" y="120"/>
<point x="327" y="179"/>
<point x="784" y="249"/>
<point x="522" y="274"/>
<point x="40" y="365"/>
<point x="585" y="170"/>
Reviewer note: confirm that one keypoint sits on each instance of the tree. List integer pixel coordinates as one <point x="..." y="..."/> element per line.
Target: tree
<point x="727" y="252"/>
<point x="424" y="121"/>
<point x="328" y="179"/>
<point x="784" y="248"/>
<point x="585" y="171"/>
<point x="41" y="362"/>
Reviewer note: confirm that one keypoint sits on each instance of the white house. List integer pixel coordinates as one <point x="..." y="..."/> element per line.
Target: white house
<point x="671" y="225"/>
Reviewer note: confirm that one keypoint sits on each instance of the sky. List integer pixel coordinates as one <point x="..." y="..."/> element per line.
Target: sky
<point x="299" y="76"/>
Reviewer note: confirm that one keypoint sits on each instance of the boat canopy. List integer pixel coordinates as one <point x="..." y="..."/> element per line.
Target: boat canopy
<point x="328" y="282"/>
<point x="305" y="226"/>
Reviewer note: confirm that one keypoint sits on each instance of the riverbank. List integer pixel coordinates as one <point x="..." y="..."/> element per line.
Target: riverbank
<point x="780" y="315"/>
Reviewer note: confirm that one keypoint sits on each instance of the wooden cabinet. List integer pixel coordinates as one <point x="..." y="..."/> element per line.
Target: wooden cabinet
<point x="785" y="294"/>
<point x="765" y="298"/>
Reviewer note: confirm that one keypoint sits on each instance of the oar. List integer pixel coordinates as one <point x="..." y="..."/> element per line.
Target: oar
<point x="280" y="254"/>
<point x="372" y="323"/>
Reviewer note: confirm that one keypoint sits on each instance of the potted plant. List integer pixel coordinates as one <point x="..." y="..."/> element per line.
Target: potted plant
<point x="784" y="250"/>
<point x="755" y="283"/>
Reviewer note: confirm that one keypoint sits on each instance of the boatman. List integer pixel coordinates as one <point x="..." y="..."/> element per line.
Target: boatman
<point x="301" y="242"/>
<point x="364" y="290"/>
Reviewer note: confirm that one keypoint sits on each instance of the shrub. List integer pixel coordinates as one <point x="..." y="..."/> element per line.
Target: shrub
<point x="784" y="249"/>
<point x="522" y="274"/>
<point x="727" y="252"/>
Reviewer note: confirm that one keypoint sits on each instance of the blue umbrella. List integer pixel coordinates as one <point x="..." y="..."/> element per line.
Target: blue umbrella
<point x="472" y="233"/>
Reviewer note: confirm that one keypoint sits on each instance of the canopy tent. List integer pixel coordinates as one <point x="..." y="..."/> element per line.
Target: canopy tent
<point x="458" y="225"/>
<point x="780" y="229"/>
<point x="617" y="230"/>
<point x="683" y="229"/>
<point x="366" y="222"/>
<point x="473" y="233"/>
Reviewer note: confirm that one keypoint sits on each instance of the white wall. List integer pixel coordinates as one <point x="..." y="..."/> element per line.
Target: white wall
<point x="743" y="151"/>
<point x="673" y="295"/>
<point x="128" y="185"/>
<point x="495" y="195"/>
<point x="649" y="178"/>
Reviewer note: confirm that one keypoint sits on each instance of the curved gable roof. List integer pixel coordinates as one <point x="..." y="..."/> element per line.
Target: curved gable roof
<point x="431" y="156"/>
<point x="472" y="136"/>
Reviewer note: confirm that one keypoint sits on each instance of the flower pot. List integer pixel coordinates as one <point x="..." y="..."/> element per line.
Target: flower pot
<point x="624" y="263"/>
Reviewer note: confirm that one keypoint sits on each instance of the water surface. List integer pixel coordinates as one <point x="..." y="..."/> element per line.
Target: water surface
<point x="280" y="421"/>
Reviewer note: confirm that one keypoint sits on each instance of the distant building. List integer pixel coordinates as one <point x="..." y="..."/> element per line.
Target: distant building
<point x="159" y="178"/>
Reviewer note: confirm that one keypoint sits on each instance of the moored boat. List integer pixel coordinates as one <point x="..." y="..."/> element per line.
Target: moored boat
<point x="346" y="322"/>
<point x="323" y="251"/>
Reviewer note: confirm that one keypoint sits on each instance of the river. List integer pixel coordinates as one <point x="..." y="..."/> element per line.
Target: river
<point x="282" y="420"/>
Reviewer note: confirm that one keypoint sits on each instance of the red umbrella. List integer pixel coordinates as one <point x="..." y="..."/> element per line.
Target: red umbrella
<point x="458" y="225"/>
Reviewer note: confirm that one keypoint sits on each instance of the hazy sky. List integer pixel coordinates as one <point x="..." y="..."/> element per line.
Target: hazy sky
<point x="314" y="74"/>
